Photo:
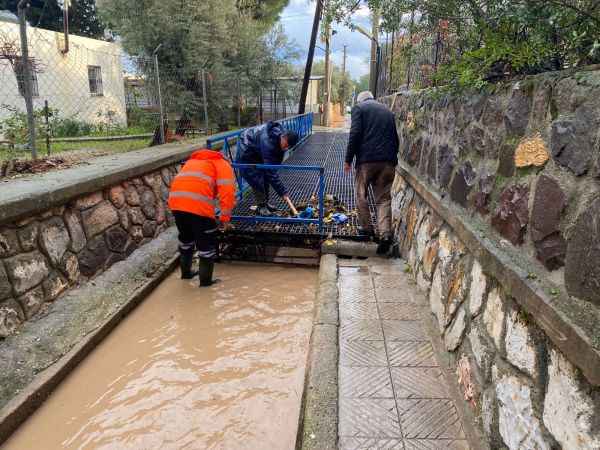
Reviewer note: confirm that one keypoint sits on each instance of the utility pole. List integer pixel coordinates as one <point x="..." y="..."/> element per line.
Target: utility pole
<point x="410" y="35"/>
<point x="374" y="51"/>
<point x="160" y="104"/>
<point x="205" y="98"/>
<point x="344" y="93"/>
<point x="327" y="106"/>
<point x="66" y="5"/>
<point x="27" y="75"/>
<point x="391" y="84"/>
<point x="310" y="56"/>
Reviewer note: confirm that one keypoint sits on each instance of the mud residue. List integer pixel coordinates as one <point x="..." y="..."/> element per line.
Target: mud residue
<point x="191" y="368"/>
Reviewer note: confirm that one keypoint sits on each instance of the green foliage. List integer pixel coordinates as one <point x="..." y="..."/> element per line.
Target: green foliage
<point x="341" y="84"/>
<point x="15" y="127"/>
<point x="480" y="41"/>
<point x="233" y="40"/>
<point x="362" y="84"/>
<point x="48" y="14"/>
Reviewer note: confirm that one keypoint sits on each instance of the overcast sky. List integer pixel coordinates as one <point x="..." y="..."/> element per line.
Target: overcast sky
<point x="297" y="22"/>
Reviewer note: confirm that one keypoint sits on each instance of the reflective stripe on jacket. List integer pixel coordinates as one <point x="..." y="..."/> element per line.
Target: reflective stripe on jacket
<point x="204" y="182"/>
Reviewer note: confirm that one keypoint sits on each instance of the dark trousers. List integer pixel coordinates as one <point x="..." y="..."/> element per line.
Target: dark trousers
<point x="257" y="181"/>
<point x="380" y="176"/>
<point x="196" y="231"/>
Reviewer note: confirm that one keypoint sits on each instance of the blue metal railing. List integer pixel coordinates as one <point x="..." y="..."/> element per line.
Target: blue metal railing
<point x="301" y="124"/>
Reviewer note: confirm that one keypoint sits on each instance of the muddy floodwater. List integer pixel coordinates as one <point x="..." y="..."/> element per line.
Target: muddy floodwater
<point x="191" y="368"/>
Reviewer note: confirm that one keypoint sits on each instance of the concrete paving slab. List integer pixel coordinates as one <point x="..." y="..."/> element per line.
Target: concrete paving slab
<point x="435" y="444"/>
<point x="363" y="353"/>
<point x="365" y="382"/>
<point x="419" y="382"/>
<point x="401" y="311"/>
<point x="360" y="417"/>
<point x="359" y="310"/>
<point x="429" y="419"/>
<point x="392" y="391"/>
<point x="354" y="443"/>
<point x="349" y="294"/>
<point x="403" y="330"/>
<point x="361" y="330"/>
<point x="410" y="354"/>
<point x="395" y="295"/>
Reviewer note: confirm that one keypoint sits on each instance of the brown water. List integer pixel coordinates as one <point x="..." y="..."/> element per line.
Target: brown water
<point x="191" y="368"/>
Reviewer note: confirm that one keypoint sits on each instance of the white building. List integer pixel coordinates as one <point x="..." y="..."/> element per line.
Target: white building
<point x="84" y="83"/>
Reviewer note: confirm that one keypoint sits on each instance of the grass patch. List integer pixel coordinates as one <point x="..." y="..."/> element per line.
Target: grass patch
<point x="62" y="147"/>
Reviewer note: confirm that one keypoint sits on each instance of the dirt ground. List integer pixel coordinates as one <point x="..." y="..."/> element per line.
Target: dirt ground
<point x="23" y="165"/>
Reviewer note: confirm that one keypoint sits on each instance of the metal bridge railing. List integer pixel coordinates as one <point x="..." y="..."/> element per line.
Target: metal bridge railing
<point x="301" y="124"/>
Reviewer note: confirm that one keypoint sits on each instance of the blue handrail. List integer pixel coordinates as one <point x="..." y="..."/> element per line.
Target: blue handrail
<point x="301" y="124"/>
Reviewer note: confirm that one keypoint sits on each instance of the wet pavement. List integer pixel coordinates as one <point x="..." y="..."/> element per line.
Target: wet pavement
<point x="191" y="368"/>
<point x="392" y="392"/>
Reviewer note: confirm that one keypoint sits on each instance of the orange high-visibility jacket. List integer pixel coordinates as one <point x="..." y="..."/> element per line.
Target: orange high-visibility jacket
<point x="205" y="178"/>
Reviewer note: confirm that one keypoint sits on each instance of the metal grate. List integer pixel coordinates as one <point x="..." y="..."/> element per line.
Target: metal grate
<point x="324" y="149"/>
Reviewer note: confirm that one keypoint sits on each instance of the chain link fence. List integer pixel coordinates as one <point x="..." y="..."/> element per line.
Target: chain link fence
<point x="87" y="94"/>
<point x="411" y="60"/>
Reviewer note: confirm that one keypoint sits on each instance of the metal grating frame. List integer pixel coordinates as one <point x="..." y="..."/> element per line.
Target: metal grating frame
<point x="325" y="149"/>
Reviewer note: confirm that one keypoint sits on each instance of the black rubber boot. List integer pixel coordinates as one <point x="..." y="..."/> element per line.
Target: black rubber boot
<point x="366" y="233"/>
<point x="385" y="244"/>
<point x="186" y="258"/>
<point x="206" y="267"/>
<point x="263" y="211"/>
<point x="272" y="208"/>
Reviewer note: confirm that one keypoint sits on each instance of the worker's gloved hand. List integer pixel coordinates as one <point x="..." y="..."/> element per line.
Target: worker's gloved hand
<point x="291" y="205"/>
<point x="307" y="213"/>
<point x="226" y="226"/>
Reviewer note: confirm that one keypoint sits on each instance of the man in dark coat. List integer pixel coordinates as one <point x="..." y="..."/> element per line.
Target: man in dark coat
<point x="373" y="146"/>
<point x="265" y="144"/>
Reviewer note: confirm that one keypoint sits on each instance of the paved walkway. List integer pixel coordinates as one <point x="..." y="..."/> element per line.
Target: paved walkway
<point x="392" y="393"/>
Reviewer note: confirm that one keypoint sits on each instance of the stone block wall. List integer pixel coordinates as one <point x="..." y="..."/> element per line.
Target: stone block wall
<point x="525" y="158"/>
<point x="43" y="255"/>
<point x="492" y="178"/>
<point x="523" y="390"/>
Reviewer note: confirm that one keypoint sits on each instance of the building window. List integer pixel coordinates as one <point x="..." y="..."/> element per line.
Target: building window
<point x="20" y="74"/>
<point x="95" y="79"/>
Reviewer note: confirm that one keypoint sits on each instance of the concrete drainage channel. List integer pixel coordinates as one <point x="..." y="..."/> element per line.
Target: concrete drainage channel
<point x="35" y="361"/>
<point x="74" y="326"/>
<point x="321" y="416"/>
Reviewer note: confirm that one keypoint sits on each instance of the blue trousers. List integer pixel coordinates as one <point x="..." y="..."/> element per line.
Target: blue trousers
<point x="257" y="181"/>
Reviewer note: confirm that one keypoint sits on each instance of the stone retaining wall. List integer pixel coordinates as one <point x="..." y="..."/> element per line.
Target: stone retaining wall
<point x="43" y="255"/>
<point x="525" y="158"/>
<point x="524" y="390"/>
<point x="494" y="196"/>
<point x="63" y="228"/>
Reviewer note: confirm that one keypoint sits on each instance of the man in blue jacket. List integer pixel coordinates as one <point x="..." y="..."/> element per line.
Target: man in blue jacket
<point x="265" y="144"/>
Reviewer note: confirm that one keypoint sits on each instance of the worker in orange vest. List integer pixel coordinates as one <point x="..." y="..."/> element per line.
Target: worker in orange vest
<point x="206" y="179"/>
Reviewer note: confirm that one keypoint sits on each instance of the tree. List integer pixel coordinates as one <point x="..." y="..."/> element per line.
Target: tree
<point x="48" y="14"/>
<point x="42" y="13"/>
<point x="362" y="84"/>
<point x="477" y="41"/>
<point x="219" y="36"/>
<point x="341" y="85"/>
<point x="84" y="20"/>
